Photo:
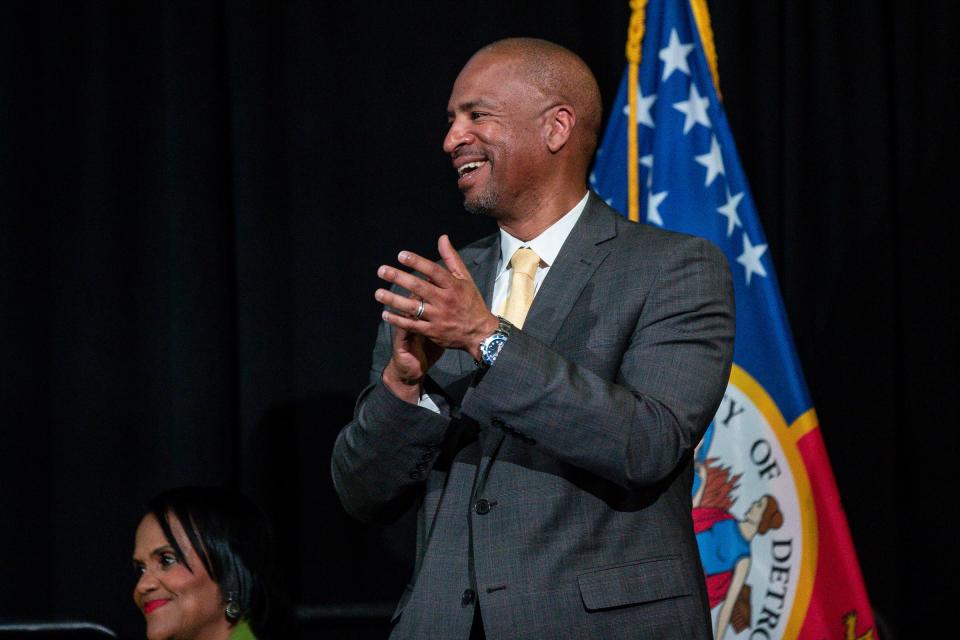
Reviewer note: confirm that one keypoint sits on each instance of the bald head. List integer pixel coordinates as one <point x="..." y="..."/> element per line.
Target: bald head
<point x="524" y="116"/>
<point x="562" y="77"/>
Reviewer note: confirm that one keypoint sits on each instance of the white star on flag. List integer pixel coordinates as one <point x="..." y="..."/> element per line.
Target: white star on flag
<point x="647" y="161"/>
<point x="674" y="56"/>
<point x="643" y="108"/>
<point x="653" y="201"/>
<point x="695" y="109"/>
<point x="729" y="211"/>
<point x="713" y="161"/>
<point x="750" y="258"/>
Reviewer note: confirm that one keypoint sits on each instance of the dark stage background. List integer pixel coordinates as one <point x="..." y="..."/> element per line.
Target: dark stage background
<point x="195" y="196"/>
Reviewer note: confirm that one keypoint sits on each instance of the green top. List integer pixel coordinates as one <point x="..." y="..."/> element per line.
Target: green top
<point x="242" y="632"/>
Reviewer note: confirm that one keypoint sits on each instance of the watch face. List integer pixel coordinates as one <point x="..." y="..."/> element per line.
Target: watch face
<point x="492" y="348"/>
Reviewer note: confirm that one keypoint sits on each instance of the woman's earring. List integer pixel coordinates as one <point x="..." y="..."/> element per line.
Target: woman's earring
<point x="232" y="609"/>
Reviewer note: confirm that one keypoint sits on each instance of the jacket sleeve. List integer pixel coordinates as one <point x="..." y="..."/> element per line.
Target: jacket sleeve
<point x="387" y="448"/>
<point x="636" y="426"/>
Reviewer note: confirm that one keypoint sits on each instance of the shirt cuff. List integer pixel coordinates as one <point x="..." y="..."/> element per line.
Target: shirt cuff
<point x="427" y="402"/>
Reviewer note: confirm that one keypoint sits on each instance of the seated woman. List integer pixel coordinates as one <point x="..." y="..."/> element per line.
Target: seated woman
<point x="205" y="559"/>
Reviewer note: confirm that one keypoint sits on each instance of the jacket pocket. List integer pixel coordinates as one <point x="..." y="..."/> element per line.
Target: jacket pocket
<point x="633" y="583"/>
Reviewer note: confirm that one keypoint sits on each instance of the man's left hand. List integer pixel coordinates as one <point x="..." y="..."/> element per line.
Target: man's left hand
<point x="454" y="316"/>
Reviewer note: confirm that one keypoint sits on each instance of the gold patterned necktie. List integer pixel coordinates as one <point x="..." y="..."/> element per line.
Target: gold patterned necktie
<point x="524" y="264"/>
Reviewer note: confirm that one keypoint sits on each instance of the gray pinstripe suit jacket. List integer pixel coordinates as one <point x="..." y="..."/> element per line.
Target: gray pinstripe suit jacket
<point x="556" y="486"/>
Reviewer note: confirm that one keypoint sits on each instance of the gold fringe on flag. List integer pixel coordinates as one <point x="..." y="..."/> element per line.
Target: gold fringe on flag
<point x="702" y="16"/>
<point x="634" y="41"/>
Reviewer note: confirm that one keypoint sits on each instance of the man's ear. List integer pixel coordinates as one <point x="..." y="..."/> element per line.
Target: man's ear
<point x="560" y="122"/>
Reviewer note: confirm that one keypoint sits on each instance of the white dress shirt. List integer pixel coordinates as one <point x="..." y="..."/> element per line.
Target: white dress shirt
<point x="547" y="245"/>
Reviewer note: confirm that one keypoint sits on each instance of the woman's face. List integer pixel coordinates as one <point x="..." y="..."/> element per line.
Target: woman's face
<point x="177" y="604"/>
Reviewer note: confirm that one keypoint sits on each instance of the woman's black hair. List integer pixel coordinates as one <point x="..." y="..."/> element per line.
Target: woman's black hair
<point x="234" y="541"/>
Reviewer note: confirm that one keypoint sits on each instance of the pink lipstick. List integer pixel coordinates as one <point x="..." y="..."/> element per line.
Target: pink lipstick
<point x="153" y="605"/>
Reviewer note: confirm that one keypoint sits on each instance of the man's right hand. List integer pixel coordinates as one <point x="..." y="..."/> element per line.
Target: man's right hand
<point x="412" y="357"/>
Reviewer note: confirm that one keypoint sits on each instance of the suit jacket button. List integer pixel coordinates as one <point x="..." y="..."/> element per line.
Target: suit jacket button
<point x="415" y="475"/>
<point x="482" y="506"/>
<point x="468" y="597"/>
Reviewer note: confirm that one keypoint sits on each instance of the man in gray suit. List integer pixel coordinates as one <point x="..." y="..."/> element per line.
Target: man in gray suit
<point x="549" y="453"/>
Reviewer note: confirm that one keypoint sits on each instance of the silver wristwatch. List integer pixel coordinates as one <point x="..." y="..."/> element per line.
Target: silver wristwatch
<point x="491" y="345"/>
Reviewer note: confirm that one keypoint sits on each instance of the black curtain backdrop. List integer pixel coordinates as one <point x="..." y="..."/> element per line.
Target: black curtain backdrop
<point x="195" y="196"/>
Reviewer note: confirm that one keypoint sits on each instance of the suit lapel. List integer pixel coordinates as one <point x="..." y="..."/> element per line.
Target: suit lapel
<point x="582" y="253"/>
<point x="482" y="267"/>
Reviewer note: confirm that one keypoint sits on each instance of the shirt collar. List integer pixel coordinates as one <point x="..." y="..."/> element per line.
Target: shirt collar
<point x="547" y="244"/>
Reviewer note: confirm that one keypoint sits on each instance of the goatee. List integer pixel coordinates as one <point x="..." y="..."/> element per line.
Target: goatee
<point x="484" y="205"/>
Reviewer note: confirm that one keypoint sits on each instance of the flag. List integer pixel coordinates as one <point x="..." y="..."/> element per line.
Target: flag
<point x="778" y="558"/>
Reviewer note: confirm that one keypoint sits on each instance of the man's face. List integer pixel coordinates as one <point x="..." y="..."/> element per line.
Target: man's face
<point x="496" y="136"/>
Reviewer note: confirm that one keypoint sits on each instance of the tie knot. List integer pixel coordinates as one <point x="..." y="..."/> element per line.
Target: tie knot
<point x="525" y="261"/>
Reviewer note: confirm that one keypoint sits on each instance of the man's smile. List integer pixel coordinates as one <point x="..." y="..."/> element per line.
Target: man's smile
<point x="470" y="166"/>
<point x="469" y="172"/>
